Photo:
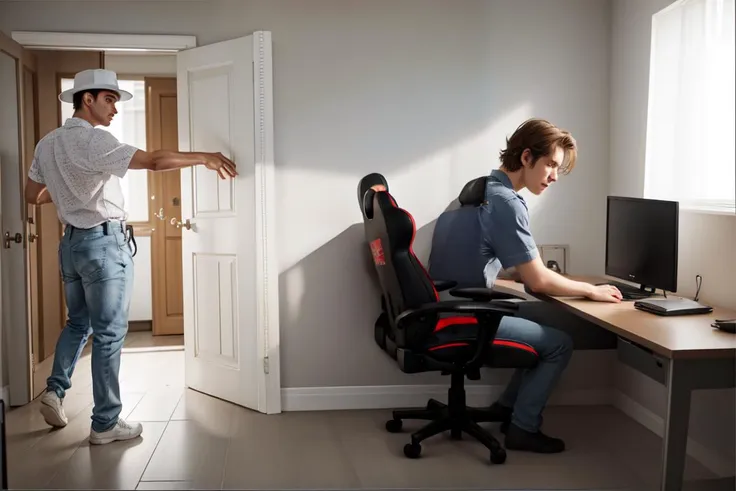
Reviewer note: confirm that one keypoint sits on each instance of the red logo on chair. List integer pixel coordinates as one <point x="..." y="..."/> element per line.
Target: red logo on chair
<point x="377" y="251"/>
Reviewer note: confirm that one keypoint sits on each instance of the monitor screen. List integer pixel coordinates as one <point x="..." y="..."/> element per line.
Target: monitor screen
<point x="641" y="241"/>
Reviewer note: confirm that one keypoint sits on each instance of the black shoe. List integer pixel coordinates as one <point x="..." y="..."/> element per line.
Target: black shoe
<point x="518" y="439"/>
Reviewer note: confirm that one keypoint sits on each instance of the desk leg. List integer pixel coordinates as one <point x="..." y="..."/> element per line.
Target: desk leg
<point x="677" y="420"/>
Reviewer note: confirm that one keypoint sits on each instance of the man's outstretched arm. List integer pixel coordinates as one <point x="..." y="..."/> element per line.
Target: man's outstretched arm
<point x="163" y="160"/>
<point x="543" y="280"/>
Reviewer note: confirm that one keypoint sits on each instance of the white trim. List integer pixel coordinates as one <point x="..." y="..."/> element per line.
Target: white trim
<point x="710" y="459"/>
<point x="398" y="396"/>
<point x="267" y="263"/>
<point x="106" y="42"/>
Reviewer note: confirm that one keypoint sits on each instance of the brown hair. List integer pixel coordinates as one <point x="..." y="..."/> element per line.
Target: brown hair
<point x="540" y="137"/>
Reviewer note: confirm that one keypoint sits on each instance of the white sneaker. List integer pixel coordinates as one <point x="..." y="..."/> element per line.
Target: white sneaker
<point x="121" y="431"/>
<point x="52" y="410"/>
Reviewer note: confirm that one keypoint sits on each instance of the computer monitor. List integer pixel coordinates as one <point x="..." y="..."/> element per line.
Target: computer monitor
<point x="641" y="242"/>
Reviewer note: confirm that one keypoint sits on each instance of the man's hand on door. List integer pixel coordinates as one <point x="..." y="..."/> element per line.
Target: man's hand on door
<point x="223" y="165"/>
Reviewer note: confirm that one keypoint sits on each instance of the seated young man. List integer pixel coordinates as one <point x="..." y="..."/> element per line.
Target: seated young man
<point x="535" y="155"/>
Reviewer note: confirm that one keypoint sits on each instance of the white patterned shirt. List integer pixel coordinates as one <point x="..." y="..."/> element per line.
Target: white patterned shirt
<point x="81" y="167"/>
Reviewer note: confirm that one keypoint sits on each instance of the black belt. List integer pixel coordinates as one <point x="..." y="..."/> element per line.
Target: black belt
<point x="109" y="227"/>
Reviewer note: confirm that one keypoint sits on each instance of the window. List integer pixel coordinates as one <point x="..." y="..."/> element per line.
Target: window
<point x="128" y="126"/>
<point x="690" y="127"/>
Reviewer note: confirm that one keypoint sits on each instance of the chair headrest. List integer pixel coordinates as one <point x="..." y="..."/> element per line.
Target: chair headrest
<point x="474" y="192"/>
<point x="365" y="193"/>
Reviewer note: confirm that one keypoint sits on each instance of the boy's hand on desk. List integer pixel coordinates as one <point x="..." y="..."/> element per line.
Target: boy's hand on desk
<point x="605" y="293"/>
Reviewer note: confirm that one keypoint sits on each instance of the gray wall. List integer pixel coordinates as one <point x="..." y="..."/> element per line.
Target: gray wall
<point x="424" y="91"/>
<point x="706" y="241"/>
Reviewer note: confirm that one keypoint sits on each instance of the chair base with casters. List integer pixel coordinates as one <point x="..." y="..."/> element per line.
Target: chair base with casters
<point x="455" y="417"/>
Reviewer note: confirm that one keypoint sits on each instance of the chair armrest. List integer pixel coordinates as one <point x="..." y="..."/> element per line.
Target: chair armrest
<point x="477" y="309"/>
<point x="483" y="294"/>
<point x="489" y="315"/>
<point x="442" y="285"/>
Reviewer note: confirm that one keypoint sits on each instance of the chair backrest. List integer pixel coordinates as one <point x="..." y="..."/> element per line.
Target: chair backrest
<point x="390" y="232"/>
<point x="456" y="241"/>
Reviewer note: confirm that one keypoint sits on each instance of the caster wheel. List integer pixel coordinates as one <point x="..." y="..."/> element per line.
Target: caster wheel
<point x="393" y="425"/>
<point x="412" y="450"/>
<point x="499" y="456"/>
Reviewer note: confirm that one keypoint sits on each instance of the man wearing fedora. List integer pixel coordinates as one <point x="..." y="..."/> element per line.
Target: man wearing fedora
<point x="78" y="167"/>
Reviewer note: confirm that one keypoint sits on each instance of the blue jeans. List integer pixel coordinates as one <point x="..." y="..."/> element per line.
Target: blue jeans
<point x="529" y="389"/>
<point x="97" y="269"/>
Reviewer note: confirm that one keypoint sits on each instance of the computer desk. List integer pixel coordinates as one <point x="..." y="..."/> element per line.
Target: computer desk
<point x="684" y="353"/>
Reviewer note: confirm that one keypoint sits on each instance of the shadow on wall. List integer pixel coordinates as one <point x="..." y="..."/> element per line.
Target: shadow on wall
<point x="329" y="303"/>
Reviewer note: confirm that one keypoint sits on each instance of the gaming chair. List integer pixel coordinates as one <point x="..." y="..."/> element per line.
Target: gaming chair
<point x="422" y="333"/>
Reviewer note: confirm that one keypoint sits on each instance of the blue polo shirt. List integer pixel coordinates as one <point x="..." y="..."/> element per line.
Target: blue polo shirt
<point x="506" y="238"/>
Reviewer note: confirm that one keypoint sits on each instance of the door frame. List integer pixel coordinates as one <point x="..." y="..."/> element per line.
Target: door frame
<point x="268" y="327"/>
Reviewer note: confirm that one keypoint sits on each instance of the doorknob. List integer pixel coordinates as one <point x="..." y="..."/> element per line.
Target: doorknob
<point x="17" y="238"/>
<point x="177" y="223"/>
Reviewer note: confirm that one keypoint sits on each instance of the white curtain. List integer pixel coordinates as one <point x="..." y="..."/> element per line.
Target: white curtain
<point x="690" y="125"/>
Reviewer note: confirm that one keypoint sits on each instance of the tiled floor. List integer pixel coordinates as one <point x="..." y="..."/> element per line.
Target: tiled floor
<point x="191" y="440"/>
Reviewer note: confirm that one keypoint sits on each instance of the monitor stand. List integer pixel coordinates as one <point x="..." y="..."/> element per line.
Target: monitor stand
<point x="630" y="292"/>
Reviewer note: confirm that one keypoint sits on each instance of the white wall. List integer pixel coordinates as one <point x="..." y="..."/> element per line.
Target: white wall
<point x="424" y="91"/>
<point x="706" y="241"/>
<point x="161" y="65"/>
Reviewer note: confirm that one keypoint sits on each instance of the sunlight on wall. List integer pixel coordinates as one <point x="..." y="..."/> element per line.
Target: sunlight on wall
<point x="424" y="187"/>
<point x="128" y="126"/>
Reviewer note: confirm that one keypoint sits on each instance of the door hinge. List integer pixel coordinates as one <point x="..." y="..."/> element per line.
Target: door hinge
<point x="265" y="365"/>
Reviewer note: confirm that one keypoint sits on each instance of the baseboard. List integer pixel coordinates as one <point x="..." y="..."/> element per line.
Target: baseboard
<point x="708" y="458"/>
<point x="399" y="396"/>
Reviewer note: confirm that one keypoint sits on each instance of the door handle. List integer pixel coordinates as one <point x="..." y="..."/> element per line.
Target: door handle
<point x="17" y="238"/>
<point x="178" y="223"/>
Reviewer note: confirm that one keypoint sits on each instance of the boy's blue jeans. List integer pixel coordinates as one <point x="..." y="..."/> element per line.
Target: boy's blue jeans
<point x="529" y="389"/>
<point x="97" y="269"/>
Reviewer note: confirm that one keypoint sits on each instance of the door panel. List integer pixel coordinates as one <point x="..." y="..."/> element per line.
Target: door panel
<point x="223" y="356"/>
<point x="30" y="138"/>
<point x="14" y="266"/>
<point x="166" y="273"/>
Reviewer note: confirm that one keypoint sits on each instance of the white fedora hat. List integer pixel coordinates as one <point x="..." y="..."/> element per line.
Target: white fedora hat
<point x="95" y="79"/>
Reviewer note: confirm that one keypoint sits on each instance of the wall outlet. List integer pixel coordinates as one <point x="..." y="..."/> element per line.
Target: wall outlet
<point x="557" y="253"/>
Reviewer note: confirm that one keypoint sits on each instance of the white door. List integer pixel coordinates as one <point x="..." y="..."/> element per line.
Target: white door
<point x="14" y="295"/>
<point x="230" y="274"/>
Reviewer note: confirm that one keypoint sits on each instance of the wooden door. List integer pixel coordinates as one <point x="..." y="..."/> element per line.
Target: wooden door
<point x="166" y="267"/>
<point x="30" y="138"/>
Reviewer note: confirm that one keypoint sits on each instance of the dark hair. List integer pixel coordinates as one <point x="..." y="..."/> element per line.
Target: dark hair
<point x="540" y="137"/>
<point x="77" y="100"/>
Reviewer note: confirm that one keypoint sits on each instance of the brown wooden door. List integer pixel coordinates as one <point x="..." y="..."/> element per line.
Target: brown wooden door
<point x="166" y="267"/>
<point x="30" y="138"/>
